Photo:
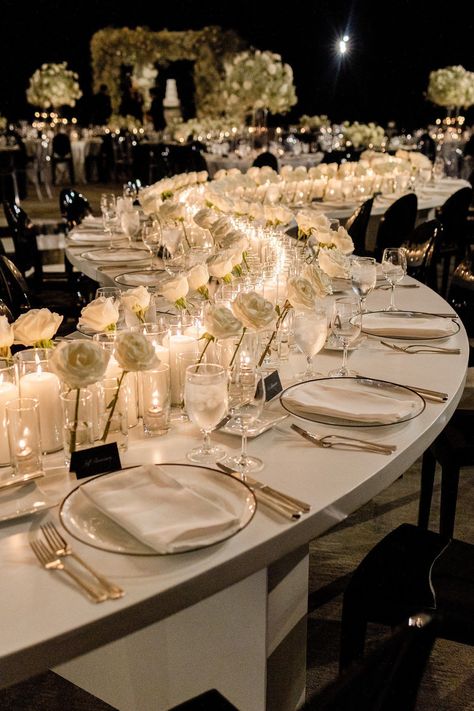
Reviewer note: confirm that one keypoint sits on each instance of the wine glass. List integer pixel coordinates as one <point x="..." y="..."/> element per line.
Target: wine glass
<point x="310" y="330"/>
<point x="363" y="278"/>
<point x="151" y="238"/>
<point x="345" y="324"/>
<point x="130" y="223"/>
<point x="174" y="258"/>
<point x="394" y="266"/>
<point x="246" y="401"/>
<point x="206" y="401"/>
<point x="108" y="206"/>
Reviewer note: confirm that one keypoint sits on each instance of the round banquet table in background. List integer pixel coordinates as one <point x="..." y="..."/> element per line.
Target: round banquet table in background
<point x="216" y="162"/>
<point x="230" y="616"/>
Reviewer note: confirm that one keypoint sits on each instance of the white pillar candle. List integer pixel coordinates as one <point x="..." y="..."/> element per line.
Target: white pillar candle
<point x="8" y="391"/>
<point x="178" y="343"/>
<point x="45" y="388"/>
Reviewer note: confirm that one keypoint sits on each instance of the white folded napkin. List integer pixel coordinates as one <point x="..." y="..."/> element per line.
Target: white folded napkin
<point x="91" y="220"/>
<point x="120" y="255"/>
<point x="159" y="511"/>
<point x="354" y="402"/>
<point x="416" y="327"/>
<point x="90" y="236"/>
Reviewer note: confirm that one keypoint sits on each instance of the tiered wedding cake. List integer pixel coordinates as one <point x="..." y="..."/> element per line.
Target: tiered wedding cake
<point x="171" y="100"/>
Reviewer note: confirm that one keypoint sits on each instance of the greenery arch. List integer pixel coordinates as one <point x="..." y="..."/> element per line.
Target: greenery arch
<point x="112" y="48"/>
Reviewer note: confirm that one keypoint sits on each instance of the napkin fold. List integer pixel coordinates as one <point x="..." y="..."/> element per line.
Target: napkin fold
<point x="416" y="327"/>
<point x="353" y="402"/>
<point x="159" y="511"/>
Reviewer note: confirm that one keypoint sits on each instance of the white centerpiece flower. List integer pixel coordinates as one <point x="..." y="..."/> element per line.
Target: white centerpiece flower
<point x="175" y="290"/>
<point x="37" y="328"/>
<point x="99" y="315"/>
<point x="137" y="301"/>
<point x="7" y="337"/>
<point x="253" y="311"/>
<point x="301" y="293"/>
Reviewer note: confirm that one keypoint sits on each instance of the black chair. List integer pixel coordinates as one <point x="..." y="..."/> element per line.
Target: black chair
<point x="268" y="159"/>
<point x="408" y="571"/>
<point x="8" y="177"/>
<point x="453" y="216"/>
<point x="14" y="290"/>
<point x="454" y="447"/>
<point x="184" y="159"/>
<point x="386" y="680"/>
<point x="122" y="148"/>
<point x="62" y="155"/>
<point x="427" y="146"/>
<point x="150" y="162"/>
<point x="420" y="248"/>
<point x="396" y="224"/>
<point x="73" y="207"/>
<point x="24" y="233"/>
<point x="357" y="224"/>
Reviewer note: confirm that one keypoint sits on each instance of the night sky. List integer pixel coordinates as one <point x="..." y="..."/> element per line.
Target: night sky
<point x="394" y="45"/>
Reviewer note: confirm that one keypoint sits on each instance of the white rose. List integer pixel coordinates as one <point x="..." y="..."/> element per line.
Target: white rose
<point x="343" y="241"/>
<point x="101" y="314"/>
<point x="202" y="176"/>
<point x="137" y="300"/>
<point x="220" y="265"/>
<point x="198" y="276"/>
<point x="134" y="351"/>
<point x="6" y="333"/>
<point x="172" y="212"/>
<point x="301" y="293"/>
<point x="235" y="241"/>
<point x="255" y="312"/>
<point x="36" y="326"/>
<point x="318" y="279"/>
<point x="174" y="288"/>
<point x="79" y="363"/>
<point x="220" y="228"/>
<point x="220" y="322"/>
<point x="205" y="218"/>
<point x="334" y="263"/>
<point x="254" y="173"/>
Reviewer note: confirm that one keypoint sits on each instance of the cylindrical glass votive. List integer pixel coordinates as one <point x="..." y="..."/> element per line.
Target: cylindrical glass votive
<point x="35" y="380"/>
<point x="113" y="413"/>
<point x="156" y="394"/>
<point x="23" y="423"/>
<point x="184" y="359"/>
<point x="8" y="391"/>
<point x="77" y="418"/>
<point x="107" y="341"/>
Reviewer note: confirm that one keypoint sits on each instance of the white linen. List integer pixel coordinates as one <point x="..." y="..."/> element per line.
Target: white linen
<point x="354" y="401"/>
<point x="122" y="255"/>
<point x="159" y="511"/>
<point x="90" y="236"/>
<point x="415" y="327"/>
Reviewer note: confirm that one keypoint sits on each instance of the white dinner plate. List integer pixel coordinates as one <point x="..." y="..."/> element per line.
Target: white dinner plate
<point x="91" y="238"/>
<point x="333" y="343"/>
<point x="88" y="524"/>
<point x="34" y="496"/>
<point x="141" y="277"/>
<point x="119" y="255"/>
<point x="348" y="388"/>
<point x="410" y="318"/>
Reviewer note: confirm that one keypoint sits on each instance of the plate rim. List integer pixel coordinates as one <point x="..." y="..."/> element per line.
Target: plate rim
<point x="413" y="338"/>
<point x="152" y="552"/>
<point x="348" y="423"/>
<point x="133" y="271"/>
<point x="115" y="250"/>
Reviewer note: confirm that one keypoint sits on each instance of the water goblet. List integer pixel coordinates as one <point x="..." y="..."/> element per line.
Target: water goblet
<point x="174" y="260"/>
<point x="310" y="331"/>
<point x="394" y="267"/>
<point x="246" y="401"/>
<point x="363" y="278"/>
<point x="206" y="401"/>
<point x="108" y="206"/>
<point x="130" y="223"/>
<point x="151" y="237"/>
<point x="345" y="324"/>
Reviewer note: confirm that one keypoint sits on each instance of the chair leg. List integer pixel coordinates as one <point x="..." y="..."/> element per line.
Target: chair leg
<point x="428" y="468"/>
<point x="353" y="631"/>
<point x="449" y="495"/>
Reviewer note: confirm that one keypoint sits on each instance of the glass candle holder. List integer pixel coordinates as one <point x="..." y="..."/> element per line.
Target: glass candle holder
<point x="23" y="424"/>
<point x="130" y="383"/>
<point x="113" y="413"/>
<point x="156" y="398"/>
<point x="36" y="380"/>
<point x="177" y="341"/>
<point x="77" y="407"/>
<point x="8" y="391"/>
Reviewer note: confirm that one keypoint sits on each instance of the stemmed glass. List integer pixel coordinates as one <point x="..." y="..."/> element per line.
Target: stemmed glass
<point x="108" y="206"/>
<point x="394" y="266"/>
<point x="130" y="223"/>
<point x="246" y="401"/>
<point x="206" y="401"/>
<point x="174" y="259"/>
<point x="310" y="330"/>
<point x="363" y="278"/>
<point x="151" y="237"/>
<point x="345" y="324"/>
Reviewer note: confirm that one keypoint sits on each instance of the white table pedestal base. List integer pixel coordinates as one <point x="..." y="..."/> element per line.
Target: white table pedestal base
<point x="248" y="641"/>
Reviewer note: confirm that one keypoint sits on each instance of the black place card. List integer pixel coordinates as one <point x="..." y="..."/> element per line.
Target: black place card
<point x="95" y="460"/>
<point x="273" y="386"/>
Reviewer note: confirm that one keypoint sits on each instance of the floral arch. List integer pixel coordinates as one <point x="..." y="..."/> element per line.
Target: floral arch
<point x="112" y="48"/>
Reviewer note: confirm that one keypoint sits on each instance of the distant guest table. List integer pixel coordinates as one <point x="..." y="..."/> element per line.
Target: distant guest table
<point x="217" y="162"/>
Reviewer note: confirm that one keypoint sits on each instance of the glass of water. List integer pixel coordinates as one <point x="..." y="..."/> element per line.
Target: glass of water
<point x="394" y="266"/>
<point x="363" y="278"/>
<point x="206" y="401"/>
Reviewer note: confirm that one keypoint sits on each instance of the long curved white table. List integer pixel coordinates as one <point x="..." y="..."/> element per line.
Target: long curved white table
<point x="231" y="616"/>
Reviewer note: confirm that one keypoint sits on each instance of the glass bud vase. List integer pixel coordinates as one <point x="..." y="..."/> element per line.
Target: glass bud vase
<point x="113" y="413"/>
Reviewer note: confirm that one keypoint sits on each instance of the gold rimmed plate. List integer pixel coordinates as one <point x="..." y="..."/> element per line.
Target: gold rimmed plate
<point x="141" y="277"/>
<point x="117" y="255"/>
<point x="88" y="524"/>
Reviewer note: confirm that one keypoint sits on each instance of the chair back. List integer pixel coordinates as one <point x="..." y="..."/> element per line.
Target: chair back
<point x="453" y="216"/>
<point x="388" y="678"/>
<point x="73" y="206"/>
<point x="420" y="247"/>
<point x="14" y="290"/>
<point x="24" y="234"/>
<point x="357" y="224"/>
<point x="184" y="159"/>
<point x="396" y="224"/>
<point x="61" y="146"/>
<point x="266" y="158"/>
<point x="461" y="294"/>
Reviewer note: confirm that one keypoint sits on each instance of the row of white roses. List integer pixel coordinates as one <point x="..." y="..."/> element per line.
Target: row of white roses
<point x="153" y="196"/>
<point x="36" y="327"/>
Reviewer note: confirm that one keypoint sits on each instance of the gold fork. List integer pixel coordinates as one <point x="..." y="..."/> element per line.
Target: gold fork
<point x="61" y="548"/>
<point x="414" y="348"/>
<point x="344" y="442"/>
<point x="51" y="562"/>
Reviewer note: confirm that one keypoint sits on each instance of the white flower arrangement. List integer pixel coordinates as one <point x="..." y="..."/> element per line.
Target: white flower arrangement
<point x="53" y="85"/>
<point x="451" y="86"/>
<point x="117" y="123"/>
<point x="3" y="123"/>
<point x="258" y="80"/>
<point x="314" y="123"/>
<point x="366" y="135"/>
<point x="206" y="128"/>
